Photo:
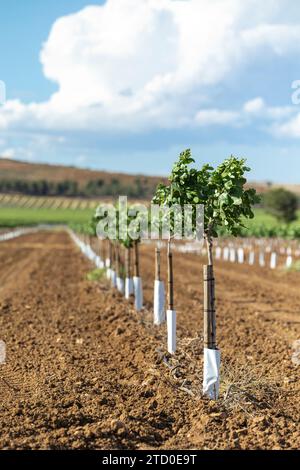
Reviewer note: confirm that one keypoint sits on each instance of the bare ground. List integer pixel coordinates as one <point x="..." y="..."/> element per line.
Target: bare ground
<point x="85" y="371"/>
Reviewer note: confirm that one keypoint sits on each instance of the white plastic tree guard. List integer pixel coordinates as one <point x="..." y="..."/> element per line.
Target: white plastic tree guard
<point x="218" y="252"/>
<point x="262" y="262"/>
<point x="120" y="284"/>
<point x="241" y="256"/>
<point x="129" y="289"/>
<point x="113" y="278"/>
<point x="159" y="302"/>
<point x="289" y="261"/>
<point x="211" y="373"/>
<point x="99" y="263"/>
<point x="171" y="326"/>
<point x="138" y="293"/>
<point x="273" y="260"/>
<point x="232" y="255"/>
<point x="226" y="253"/>
<point x="16" y="233"/>
<point x="251" y="258"/>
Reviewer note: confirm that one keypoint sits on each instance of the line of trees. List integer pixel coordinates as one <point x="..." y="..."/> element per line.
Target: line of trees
<point x="140" y="188"/>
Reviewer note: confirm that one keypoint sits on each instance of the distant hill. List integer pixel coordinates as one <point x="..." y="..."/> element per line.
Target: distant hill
<point x="13" y="169"/>
<point x="262" y="187"/>
<point x="27" y="178"/>
<point x="111" y="183"/>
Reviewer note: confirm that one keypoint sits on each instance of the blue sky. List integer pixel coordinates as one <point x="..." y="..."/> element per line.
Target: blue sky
<point x="125" y="86"/>
<point x="25" y="25"/>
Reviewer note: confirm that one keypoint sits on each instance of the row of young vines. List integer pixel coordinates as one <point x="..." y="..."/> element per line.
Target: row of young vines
<point x="226" y="202"/>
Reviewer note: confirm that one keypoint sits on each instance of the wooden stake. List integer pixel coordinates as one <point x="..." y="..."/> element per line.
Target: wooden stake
<point x="157" y="264"/>
<point x="110" y="253"/>
<point x="117" y="261"/>
<point x="209" y="308"/>
<point x="170" y="281"/>
<point x="137" y="260"/>
<point x="105" y="251"/>
<point x="127" y="263"/>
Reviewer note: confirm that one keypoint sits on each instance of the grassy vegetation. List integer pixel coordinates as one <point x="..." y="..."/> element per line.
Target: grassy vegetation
<point x="16" y="216"/>
<point x="96" y="275"/>
<point x="262" y="218"/>
<point x="261" y="225"/>
<point x="268" y="220"/>
<point x="295" y="267"/>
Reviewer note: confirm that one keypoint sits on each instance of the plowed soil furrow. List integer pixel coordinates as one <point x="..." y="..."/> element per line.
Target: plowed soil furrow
<point x="84" y="370"/>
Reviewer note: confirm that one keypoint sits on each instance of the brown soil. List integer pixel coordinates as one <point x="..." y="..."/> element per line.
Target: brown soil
<point x="84" y="370"/>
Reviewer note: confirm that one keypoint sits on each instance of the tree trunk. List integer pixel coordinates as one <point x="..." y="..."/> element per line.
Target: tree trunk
<point x="209" y="299"/>
<point x="110" y="253"/>
<point x="170" y="279"/>
<point x="127" y="263"/>
<point x="137" y="260"/>
<point x="209" y="245"/>
<point x="157" y="264"/>
<point x="117" y="251"/>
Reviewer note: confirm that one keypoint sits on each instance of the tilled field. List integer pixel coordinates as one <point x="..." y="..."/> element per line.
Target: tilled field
<point x="85" y="371"/>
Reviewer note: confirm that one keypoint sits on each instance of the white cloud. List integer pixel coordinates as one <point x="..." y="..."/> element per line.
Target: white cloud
<point x="254" y="106"/>
<point x="81" y="159"/>
<point x="8" y="153"/>
<point x="252" y="110"/>
<point x="259" y="109"/>
<point x="143" y="64"/>
<point x="216" y="116"/>
<point x="280" y="38"/>
<point x="291" y="128"/>
<point x="19" y="152"/>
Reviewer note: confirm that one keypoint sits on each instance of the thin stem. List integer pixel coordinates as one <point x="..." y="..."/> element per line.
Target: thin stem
<point x="157" y="263"/>
<point x="117" y="261"/>
<point x="209" y="245"/>
<point x="127" y="262"/>
<point x="170" y="277"/>
<point x="110" y="253"/>
<point x="137" y="264"/>
<point x="169" y="245"/>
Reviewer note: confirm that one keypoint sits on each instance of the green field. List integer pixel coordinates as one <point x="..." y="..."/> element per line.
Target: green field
<point x="263" y="218"/>
<point x="18" y="210"/>
<point x="33" y="211"/>
<point x="16" y="216"/>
